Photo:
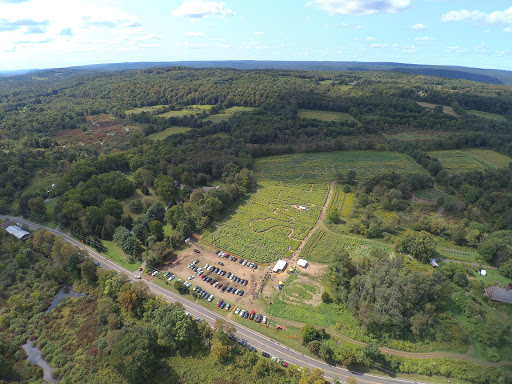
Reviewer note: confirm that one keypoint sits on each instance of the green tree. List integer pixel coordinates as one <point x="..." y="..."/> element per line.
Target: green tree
<point x="506" y="268"/>
<point x="156" y="212"/>
<point x="308" y="333"/>
<point x="113" y="208"/>
<point x="420" y="245"/>
<point x="157" y="229"/>
<point x="136" y="206"/>
<point x="333" y="215"/>
<point x="37" y="207"/>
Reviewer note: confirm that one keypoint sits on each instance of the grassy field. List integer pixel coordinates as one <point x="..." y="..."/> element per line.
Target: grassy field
<point x="324" y="244"/>
<point x="227" y="113"/>
<point x="324" y="115"/>
<point x="446" y="109"/>
<point x="456" y="161"/>
<point x="189" y="110"/>
<point x="168" y="132"/>
<point x="416" y="135"/>
<point x="323" y="167"/>
<point x="154" y="108"/>
<point x="114" y="253"/>
<point x="486" y="115"/>
<point x="270" y="224"/>
<point x="42" y="181"/>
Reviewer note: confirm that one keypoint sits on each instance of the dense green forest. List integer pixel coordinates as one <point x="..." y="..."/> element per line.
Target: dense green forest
<point x="79" y="150"/>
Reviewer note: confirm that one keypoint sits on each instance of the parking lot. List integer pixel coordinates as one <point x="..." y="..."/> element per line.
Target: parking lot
<point x="180" y="266"/>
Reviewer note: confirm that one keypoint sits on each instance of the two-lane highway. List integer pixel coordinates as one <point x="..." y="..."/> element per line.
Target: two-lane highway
<point x="262" y="343"/>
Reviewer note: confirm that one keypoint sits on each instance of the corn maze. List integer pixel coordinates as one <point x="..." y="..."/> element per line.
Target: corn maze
<point x="323" y="245"/>
<point x="323" y="167"/>
<point x="272" y="223"/>
<point x="342" y="201"/>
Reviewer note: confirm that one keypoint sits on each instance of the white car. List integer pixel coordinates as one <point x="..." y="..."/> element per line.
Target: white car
<point x="242" y="312"/>
<point x="191" y="277"/>
<point x="154" y="273"/>
<point x="171" y="277"/>
<point x="211" y="298"/>
<point x="264" y="321"/>
<point x="137" y="276"/>
<point x="237" y="311"/>
<point x="187" y="284"/>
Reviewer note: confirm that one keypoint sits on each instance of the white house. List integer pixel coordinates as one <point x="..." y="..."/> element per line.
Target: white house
<point x="302" y="263"/>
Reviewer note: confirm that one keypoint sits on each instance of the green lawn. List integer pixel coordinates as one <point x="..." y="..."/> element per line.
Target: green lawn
<point x="168" y="132"/>
<point x="492" y="276"/>
<point x="114" y="253"/>
<point x="42" y="181"/>
<point x="227" y="113"/>
<point x="456" y="161"/>
<point x="50" y="209"/>
<point x="486" y="115"/>
<point x="324" y="115"/>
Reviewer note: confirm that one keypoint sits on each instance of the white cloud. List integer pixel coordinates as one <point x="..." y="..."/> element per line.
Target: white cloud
<point x="195" y="34"/>
<point x="378" y="45"/>
<point x="497" y="17"/>
<point x="198" y="9"/>
<point x="424" y="38"/>
<point x="361" y="7"/>
<point x="418" y="26"/>
<point x="258" y="33"/>
<point x="371" y="38"/>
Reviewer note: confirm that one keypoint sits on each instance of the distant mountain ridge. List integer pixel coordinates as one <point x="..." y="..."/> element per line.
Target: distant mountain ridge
<point x="489" y="76"/>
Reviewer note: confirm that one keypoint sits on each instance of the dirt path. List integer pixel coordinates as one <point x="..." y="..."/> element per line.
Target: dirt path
<point x="318" y="223"/>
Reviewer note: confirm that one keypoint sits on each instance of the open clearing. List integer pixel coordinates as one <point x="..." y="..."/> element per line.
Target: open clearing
<point x="416" y="135"/>
<point x="324" y="115"/>
<point x="152" y="109"/>
<point x="323" y="167"/>
<point x="456" y="161"/>
<point x="486" y="115"/>
<point x="446" y="109"/>
<point x="189" y="110"/>
<point x="227" y="113"/>
<point x="168" y="132"/>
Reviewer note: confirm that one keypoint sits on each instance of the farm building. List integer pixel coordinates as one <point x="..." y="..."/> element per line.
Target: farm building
<point x="499" y="295"/>
<point x="302" y="263"/>
<point x="14" y="230"/>
<point x="280" y="266"/>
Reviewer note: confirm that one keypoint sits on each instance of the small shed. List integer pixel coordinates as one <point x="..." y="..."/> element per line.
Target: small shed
<point x="302" y="263"/>
<point x="280" y="266"/>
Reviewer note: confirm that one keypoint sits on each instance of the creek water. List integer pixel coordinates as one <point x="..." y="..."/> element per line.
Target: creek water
<point x="34" y="353"/>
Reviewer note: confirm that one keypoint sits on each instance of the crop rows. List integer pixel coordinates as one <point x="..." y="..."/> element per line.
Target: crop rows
<point x="271" y="224"/>
<point x="310" y="168"/>
<point x="322" y="246"/>
<point x="342" y="201"/>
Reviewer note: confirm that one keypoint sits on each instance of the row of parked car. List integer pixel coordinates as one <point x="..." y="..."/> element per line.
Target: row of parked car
<point x="202" y="293"/>
<point x="223" y="305"/>
<point x="251" y="316"/>
<point x="228" y="275"/>
<point x="234" y="258"/>
<point x="222" y="287"/>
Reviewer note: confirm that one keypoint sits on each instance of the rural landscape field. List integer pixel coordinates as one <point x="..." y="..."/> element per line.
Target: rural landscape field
<point x="239" y="226"/>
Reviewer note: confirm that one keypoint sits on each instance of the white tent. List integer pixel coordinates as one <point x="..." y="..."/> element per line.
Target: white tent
<point x="483" y="272"/>
<point x="280" y="266"/>
<point x="303" y="263"/>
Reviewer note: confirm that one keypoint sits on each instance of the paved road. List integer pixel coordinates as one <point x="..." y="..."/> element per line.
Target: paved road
<point x="262" y="343"/>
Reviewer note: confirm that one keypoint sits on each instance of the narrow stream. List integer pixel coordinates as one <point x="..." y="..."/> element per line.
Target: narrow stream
<point x="34" y="353"/>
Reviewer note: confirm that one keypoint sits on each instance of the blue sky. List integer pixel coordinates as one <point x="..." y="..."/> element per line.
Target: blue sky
<point x="60" y="33"/>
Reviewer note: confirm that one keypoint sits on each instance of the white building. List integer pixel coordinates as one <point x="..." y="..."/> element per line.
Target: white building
<point x="280" y="266"/>
<point x="302" y="263"/>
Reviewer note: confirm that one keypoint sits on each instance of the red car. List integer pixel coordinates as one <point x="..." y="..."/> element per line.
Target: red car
<point x="140" y="269"/>
<point x="284" y="364"/>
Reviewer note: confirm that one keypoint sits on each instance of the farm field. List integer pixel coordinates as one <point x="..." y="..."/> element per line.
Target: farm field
<point x="486" y="115"/>
<point x="136" y="111"/>
<point x="168" y="132"/>
<point x="342" y="201"/>
<point x="270" y="225"/>
<point x="416" y="135"/>
<point x="323" y="167"/>
<point x="324" y="115"/>
<point x="323" y="245"/>
<point x="189" y="110"/>
<point x="455" y="161"/>
<point x="227" y="113"/>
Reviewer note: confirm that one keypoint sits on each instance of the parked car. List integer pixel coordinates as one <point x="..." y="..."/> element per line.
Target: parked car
<point x="244" y="262"/>
<point x="241" y="314"/>
<point x="228" y="306"/>
<point x="284" y="364"/>
<point x="241" y="261"/>
<point x="223" y="305"/>
<point x="197" y="251"/>
<point x="229" y="275"/>
<point x="224" y="289"/>
<point x="237" y="310"/>
<point x="211" y="298"/>
<point x="255" y="266"/>
<point x="241" y="293"/>
<point x="170" y="278"/>
<point x="258" y="318"/>
<point x="264" y="321"/>
<point x="220" y="302"/>
<point x="217" y="252"/>
<point x="191" y="277"/>
<point x="154" y="273"/>
<point x="220" y="286"/>
<point x="251" y="316"/>
<point x="137" y="276"/>
<point x="235" y="292"/>
<point x="246" y="315"/>
<point x="188" y="284"/>
<point x="220" y="263"/>
<point x="265" y="354"/>
<point x="140" y="268"/>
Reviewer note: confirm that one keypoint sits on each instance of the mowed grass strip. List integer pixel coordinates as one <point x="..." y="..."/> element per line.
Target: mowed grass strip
<point x="324" y="115"/>
<point x="227" y="113"/>
<point x="189" y="110"/>
<point x="323" y="167"/>
<point x="136" y="111"/>
<point x="457" y="161"/>
<point x="486" y="115"/>
<point x="168" y="132"/>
